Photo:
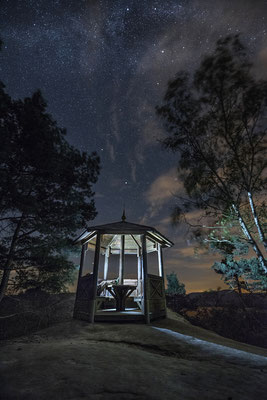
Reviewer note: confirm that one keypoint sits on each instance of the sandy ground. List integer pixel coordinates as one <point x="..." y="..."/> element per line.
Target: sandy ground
<point x="169" y="359"/>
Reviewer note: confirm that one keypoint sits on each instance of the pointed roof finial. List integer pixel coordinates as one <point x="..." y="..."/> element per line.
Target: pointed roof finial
<point x="123" y="217"/>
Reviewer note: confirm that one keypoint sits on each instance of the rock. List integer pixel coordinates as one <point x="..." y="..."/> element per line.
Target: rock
<point x="167" y="360"/>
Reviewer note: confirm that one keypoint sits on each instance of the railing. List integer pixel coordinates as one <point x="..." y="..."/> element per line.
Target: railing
<point x="103" y="292"/>
<point x="156" y="295"/>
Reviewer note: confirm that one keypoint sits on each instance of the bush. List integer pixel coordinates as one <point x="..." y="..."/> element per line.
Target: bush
<point x="174" y="286"/>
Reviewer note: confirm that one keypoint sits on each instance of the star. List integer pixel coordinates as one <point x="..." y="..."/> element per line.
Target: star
<point x="103" y="67"/>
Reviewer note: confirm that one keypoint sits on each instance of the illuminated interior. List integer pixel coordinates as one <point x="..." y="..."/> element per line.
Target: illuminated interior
<point x="119" y="244"/>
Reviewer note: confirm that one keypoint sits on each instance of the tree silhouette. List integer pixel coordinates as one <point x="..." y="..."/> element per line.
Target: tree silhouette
<point x="45" y="195"/>
<point x="216" y="122"/>
<point x="173" y="285"/>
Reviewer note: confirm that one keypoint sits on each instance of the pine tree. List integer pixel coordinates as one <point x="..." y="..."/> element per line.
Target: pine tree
<point x="45" y="195"/>
<point x="173" y="285"/>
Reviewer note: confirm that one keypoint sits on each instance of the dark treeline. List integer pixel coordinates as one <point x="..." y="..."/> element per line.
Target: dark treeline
<point x="45" y="196"/>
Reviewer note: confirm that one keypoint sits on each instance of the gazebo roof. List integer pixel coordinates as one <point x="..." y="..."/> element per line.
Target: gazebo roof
<point x="120" y="228"/>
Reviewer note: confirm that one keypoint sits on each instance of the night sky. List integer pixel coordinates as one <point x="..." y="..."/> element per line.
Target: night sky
<point x="103" y="66"/>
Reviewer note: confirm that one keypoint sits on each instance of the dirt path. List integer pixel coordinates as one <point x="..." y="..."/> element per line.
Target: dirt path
<point x="170" y="359"/>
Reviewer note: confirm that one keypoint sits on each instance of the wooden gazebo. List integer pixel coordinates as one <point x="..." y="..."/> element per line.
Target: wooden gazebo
<point x="119" y="299"/>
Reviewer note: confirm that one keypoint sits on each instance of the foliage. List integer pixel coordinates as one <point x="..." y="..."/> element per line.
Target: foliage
<point x="239" y="274"/>
<point x="218" y="289"/>
<point x="216" y="123"/>
<point x="33" y="310"/>
<point x="173" y="285"/>
<point x="54" y="276"/>
<point x="45" y="195"/>
<point x="232" y="322"/>
<point x="242" y="274"/>
<point x="225" y="238"/>
<point x="225" y="314"/>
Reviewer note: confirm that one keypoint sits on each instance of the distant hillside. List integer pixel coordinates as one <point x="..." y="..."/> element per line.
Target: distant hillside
<point x="220" y="298"/>
<point x="242" y="318"/>
<point x="33" y="310"/>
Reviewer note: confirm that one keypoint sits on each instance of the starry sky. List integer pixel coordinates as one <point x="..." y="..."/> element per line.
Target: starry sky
<point x="103" y="66"/>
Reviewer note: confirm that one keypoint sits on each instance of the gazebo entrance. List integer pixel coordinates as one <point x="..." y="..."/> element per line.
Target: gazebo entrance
<point x="140" y="297"/>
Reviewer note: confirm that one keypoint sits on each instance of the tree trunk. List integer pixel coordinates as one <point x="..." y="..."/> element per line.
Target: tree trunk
<point x="7" y="269"/>
<point x="257" y="222"/>
<point x="250" y="239"/>
<point x="243" y="305"/>
<point x="238" y="285"/>
<point x="4" y="282"/>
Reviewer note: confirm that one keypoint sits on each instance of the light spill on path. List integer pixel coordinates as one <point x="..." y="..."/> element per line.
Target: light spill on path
<point x="217" y="348"/>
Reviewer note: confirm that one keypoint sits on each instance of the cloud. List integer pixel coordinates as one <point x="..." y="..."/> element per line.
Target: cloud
<point x="261" y="63"/>
<point x="133" y="169"/>
<point x="165" y="221"/>
<point x="148" y="129"/>
<point x="99" y="195"/>
<point x="161" y="191"/>
<point x="110" y="149"/>
<point x="114" y="119"/>
<point x="194" y="271"/>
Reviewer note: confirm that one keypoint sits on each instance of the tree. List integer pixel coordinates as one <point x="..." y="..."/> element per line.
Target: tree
<point x="216" y="121"/>
<point x="45" y="195"/>
<point x="173" y="285"/>
<point x="242" y="274"/>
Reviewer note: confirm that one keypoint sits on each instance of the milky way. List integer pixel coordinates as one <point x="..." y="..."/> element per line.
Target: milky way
<point x="103" y="66"/>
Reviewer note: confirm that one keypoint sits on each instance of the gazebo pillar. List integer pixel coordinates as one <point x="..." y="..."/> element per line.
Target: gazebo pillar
<point x="82" y="259"/>
<point x="160" y="260"/>
<point x="139" y="271"/>
<point x="161" y="269"/>
<point x="95" y="276"/>
<point x="107" y="253"/>
<point x="122" y="257"/>
<point x="145" y="279"/>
